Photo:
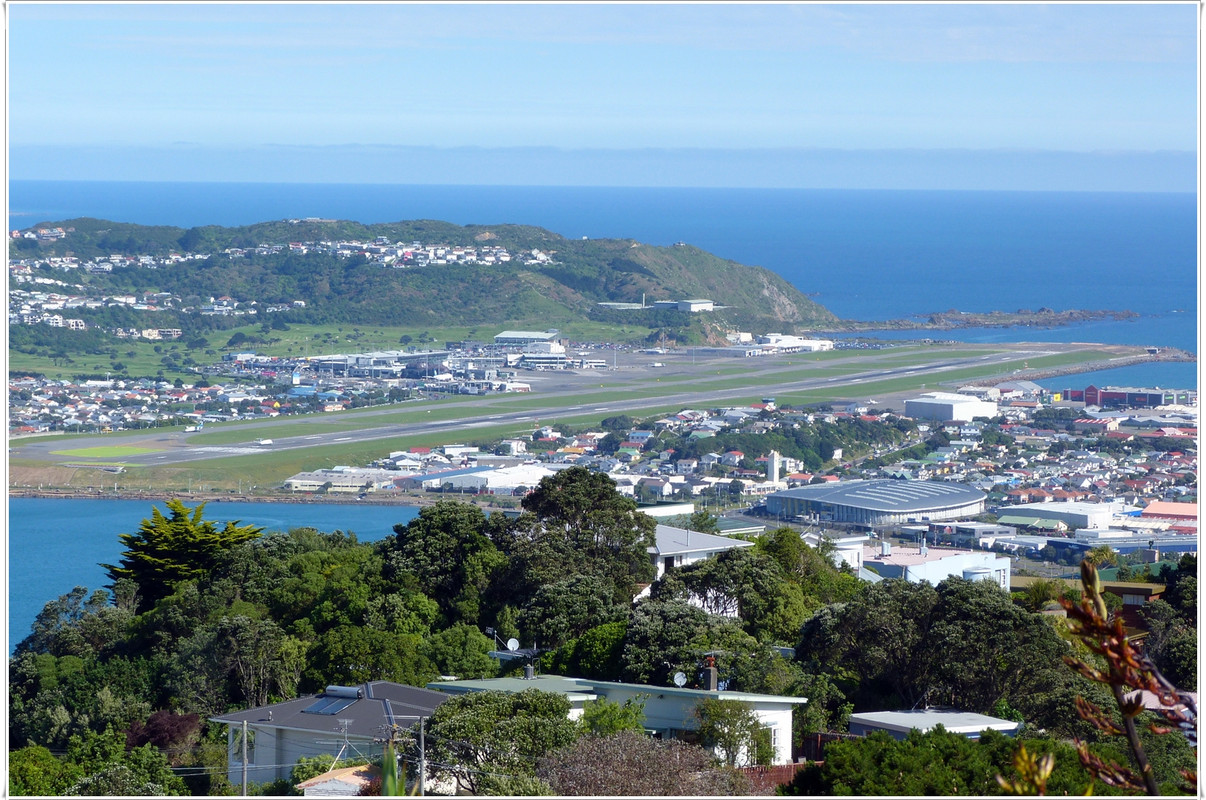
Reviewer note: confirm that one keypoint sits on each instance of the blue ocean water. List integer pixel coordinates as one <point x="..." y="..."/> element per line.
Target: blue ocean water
<point x="51" y="551"/>
<point x="867" y="255"/>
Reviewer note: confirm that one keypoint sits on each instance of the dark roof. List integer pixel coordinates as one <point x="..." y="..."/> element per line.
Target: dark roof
<point x="379" y="704"/>
<point x="888" y="495"/>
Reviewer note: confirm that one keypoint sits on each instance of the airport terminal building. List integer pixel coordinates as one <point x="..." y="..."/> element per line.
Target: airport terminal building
<point x="878" y="502"/>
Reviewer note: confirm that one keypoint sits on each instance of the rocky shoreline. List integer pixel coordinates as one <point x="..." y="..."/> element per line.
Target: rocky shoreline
<point x="954" y="319"/>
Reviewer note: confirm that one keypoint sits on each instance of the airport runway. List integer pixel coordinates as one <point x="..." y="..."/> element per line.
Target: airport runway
<point x="174" y="447"/>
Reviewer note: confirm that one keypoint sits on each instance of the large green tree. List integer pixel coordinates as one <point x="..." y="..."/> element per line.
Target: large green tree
<point x="170" y="549"/>
<point x="498" y="733"/>
<point x="446" y="547"/>
<point x="592" y="519"/>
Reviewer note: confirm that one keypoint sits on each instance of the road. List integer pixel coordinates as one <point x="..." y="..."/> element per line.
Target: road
<point x="559" y="390"/>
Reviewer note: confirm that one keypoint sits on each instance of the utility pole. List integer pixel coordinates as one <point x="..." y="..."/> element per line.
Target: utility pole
<point x="244" y="758"/>
<point x="422" y="760"/>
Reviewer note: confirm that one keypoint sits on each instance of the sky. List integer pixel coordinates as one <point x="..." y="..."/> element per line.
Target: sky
<point x="219" y="91"/>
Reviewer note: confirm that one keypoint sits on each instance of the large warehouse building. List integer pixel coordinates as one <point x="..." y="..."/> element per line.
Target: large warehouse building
<point x="945" y="407"/>
<point x="878" y="502"/>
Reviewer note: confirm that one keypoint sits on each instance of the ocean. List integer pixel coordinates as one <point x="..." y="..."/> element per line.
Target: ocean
<point x="865" y="255"/>
<point x="41" y="526"/>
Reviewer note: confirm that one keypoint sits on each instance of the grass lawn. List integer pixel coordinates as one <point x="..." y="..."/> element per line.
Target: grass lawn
<point x="116" y="451"/>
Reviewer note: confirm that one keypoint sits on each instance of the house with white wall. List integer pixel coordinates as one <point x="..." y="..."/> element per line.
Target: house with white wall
<point x="669" y="710"/>
<point x="678" y="547"/>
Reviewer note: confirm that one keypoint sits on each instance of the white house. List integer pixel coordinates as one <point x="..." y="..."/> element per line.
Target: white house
<point x="341" y="719"/>
<point x="669" y="710"/>
<point x="678" y="547"/>
<point x="899" y="723"/>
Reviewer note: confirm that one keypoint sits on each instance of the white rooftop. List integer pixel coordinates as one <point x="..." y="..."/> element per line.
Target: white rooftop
<point x="924" y="719"/>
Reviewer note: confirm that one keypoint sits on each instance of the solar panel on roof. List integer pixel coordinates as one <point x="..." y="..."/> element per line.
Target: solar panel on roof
<point x="329" y="705"/>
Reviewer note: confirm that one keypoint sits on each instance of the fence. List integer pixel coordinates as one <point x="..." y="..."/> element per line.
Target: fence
<point x="766" y="780"/>
<point x="813" y="746"/>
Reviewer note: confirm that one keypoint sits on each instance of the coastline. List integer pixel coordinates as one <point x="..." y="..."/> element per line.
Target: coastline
<point x="194" y="498"/>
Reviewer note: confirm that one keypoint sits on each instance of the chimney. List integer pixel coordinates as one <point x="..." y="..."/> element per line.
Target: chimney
<point x="529" y="672"/>
<point x="711" y="679"/>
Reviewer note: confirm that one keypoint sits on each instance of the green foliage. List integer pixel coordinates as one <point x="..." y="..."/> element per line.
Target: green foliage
<point x="355" y="290"/>
<point x="933" y="763"/>
<point x="351" y="654"/>
<point x="110" y="769"/>
<point x="582" y="516"/>
<point x="604" y="717"/>
<point x="700" y="521"/>
<point x="496" y="732"/>
<point x="963" y="644"/>
<point x="744" y="583"/>
<point x="170" y="549"/>
<point x="732" y="728"/>
<point x="34" y="771"/>
<point x="662" y="638"/>
<point x="447" y="550"/>
<point x="461" y="651"/>
<point x="566" y="609"/>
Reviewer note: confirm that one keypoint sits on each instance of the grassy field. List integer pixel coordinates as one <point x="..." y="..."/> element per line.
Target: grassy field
<point x="105" y="452"/>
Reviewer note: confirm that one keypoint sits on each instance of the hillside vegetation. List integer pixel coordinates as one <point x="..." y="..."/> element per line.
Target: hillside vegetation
<point x="581" y="274"/>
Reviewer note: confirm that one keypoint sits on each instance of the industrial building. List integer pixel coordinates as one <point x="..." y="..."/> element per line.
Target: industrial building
<point x="878" y="502"/>
<point x="1072" y="514"/>
<point x="947" y="406"/>
<point x="526" y="337"/>
<point x="1130" y="397"/>
<point x="923" y="563"/>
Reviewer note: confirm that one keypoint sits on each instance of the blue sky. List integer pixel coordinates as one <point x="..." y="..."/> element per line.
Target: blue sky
<point x="265" y="78"/>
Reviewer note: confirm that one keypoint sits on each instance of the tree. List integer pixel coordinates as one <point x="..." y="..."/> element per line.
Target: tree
<point x="732" y="729"/>
<point x="700" y="521"/>
<point x="34" y="770"/>
<point x="631" y="764"/>
<point x="877" y="639"/>
<point x="937" y="762"/>
<point x="446" y="548"/>
<point x="661" y="639"/>
<point x="566" y="609"/>
<point x="604" y="717"/>
<point x="593" y="519"/>
<point x="741" y="583"/>
<point x="167" y="550"/>
<point x="461" y="650"/>
<point x="496" y="732"/>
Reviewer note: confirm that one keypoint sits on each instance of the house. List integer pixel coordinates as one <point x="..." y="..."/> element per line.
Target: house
<point x="678" y="547"/>
<point x="899" y="723"/>
<point x="346" y="782"/>
<point x="669" y="710"/>
<point x="341" y="719"/>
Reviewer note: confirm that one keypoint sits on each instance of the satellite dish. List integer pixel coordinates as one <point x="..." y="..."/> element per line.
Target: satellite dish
<point x="512" y="644"/>
<point x="680" y="679"/>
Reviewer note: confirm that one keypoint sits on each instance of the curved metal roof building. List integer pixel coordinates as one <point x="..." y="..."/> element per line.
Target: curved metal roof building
<point x="879" y="502"/>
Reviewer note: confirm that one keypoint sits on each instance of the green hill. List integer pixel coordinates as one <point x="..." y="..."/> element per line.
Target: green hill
<point x="580" y="275"/>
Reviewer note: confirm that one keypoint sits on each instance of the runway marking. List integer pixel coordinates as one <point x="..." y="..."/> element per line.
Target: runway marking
<point x="343" y="438"/>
